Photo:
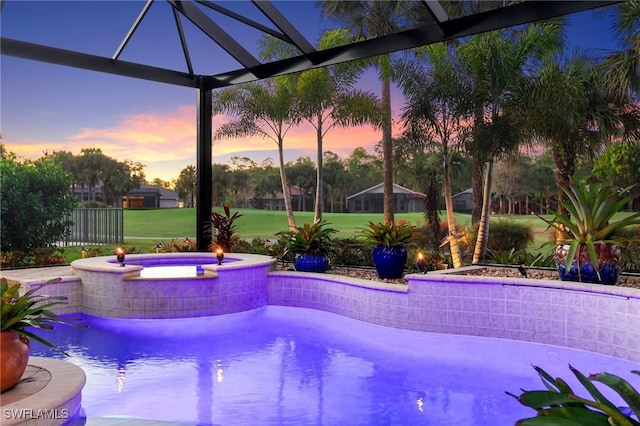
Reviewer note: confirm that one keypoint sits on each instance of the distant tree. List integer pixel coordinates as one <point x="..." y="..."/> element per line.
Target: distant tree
<point x="36" y="204"/>
<point x="69" y="164"/>
<point x="336" y="181"/>
<point x="512" y="180"/>
<point x="221" y="179"/>
<point x="90" y="165"/>
<point x="364" y="169"/>
<point x="186" y="185"/>
<point x="161" y="183"/>
<point x="301" y="174"/>
<point x="619" y="165"/>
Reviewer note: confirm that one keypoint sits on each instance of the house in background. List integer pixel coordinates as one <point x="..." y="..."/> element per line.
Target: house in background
<point x="463" y="201"/>
<point x="150" y="197"/>
<point x="300" y="200"/>
<point x="371" y="200"/>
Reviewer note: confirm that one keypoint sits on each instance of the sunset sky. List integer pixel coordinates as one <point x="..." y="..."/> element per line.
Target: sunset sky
<point x="46" y="108"/>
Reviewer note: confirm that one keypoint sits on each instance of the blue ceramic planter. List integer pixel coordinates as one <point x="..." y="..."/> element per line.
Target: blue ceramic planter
<point x="307" y="263"/>
<point x="390" y="261"/>
<point x="584" y="271"/>
<point x="587" y="273"/>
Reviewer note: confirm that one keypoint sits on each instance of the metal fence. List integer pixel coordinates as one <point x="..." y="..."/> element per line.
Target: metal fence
<point x="96" y="226"/>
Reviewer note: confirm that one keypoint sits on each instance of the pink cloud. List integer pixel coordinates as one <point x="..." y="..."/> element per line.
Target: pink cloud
<point x="159" y="138"/>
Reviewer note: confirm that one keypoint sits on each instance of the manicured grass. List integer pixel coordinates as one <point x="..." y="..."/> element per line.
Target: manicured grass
<point x="166" y="224"/>
<point x="142" y="228"/>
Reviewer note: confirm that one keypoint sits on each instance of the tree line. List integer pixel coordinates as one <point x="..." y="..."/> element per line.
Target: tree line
<point x="490" y="95"/>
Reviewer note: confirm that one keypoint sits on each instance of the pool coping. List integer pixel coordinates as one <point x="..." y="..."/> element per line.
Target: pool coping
<point x="49" y="393"/>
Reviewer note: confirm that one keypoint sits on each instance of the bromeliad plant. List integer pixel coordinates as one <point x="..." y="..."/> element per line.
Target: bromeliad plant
<point x="560" y="405"/>
<point x="310" y="246"/>
<point x="588" y="228"/>
<point x="309" y="239"/>
<point x="20" y="312"/>
<point x="386" y="234"/>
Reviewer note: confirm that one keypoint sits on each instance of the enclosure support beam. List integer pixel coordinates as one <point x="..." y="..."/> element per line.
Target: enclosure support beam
<point x="204" y="159"/>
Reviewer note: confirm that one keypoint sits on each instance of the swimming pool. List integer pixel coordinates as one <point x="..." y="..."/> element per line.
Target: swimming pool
<point x="283" y="365"/>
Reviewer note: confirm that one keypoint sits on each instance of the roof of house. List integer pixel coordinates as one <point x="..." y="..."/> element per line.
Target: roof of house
<point x="155" y="189"/>
<point x="397" y="189"/>
<point x="466" y="191"/>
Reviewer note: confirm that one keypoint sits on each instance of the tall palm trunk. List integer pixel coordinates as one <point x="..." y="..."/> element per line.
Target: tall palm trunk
<point x="453" y="242"/>
<point x="564" y="157"/>
<point x="317" y="215"/>
<point x="476" y="190"/>
<point x="480" y="250"/>
<point x="286" y="192"/>
<point x="387" y="151"/>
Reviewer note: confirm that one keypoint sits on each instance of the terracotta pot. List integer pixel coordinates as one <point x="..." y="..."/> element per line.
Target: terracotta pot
<point x="14" y="355"/>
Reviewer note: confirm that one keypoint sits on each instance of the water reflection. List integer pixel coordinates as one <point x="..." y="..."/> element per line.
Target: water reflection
<point x="283" y="365"/>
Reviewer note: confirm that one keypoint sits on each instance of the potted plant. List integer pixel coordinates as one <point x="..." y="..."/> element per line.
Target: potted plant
<point x="389" y="242"/>
<point x="310" y="246"/>
<point x="19" y="313"/>
<point x="587" y="246"/>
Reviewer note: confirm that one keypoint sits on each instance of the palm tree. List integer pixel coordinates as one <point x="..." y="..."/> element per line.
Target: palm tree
<point x="327" y="98"/>
<point x="570" y="111"/>
<point x="497" y="62"/>
<point x="622" y="68"/>
<point x="437" y="113"/>
<point x="371" y="19"/>
<point x="266" y="109"/>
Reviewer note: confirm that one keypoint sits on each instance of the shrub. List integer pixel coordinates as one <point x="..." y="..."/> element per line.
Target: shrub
<point x="36" y="204"/>
<point x="507" y="235"/>
<point x="255" y="246"/>
<point x="351" y="252"/>
<point x="630" y="260"/>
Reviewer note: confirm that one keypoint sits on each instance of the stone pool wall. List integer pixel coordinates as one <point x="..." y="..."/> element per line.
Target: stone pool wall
<point x="109" y="290"/>
<point x="596" y="318"/>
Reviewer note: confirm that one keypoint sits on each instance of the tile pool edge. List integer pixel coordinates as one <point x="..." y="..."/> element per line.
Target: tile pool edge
<point x="596" y="318"/>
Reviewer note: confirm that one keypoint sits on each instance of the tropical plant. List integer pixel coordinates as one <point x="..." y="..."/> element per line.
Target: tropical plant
<point x="266" y="109"/>
<point x="588" y="226"/>
<point x="497" y="62"/>
<point x="224" y="229"/>
<point x="622" y="67"/>
<point x="437" y="106"/>
<point x="371" y="19"/>
<point x="30" y="310"/>
<point x="569" y="110"/>
<point x="327" y="97"/>
<point x="309" y="239"/>
<point x="560" y="405"/>
<point x="386" y="234"/>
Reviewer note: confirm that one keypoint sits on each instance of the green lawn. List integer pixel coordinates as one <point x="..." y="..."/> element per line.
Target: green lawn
<point x="143" y="227"/>
<point x="180" y="223"/>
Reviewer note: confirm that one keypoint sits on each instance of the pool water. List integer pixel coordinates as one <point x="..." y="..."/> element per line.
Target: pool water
<point x="294" y="366"/>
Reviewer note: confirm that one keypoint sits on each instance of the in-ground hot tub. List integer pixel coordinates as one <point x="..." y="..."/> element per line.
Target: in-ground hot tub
<point x="115" y="291"/>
